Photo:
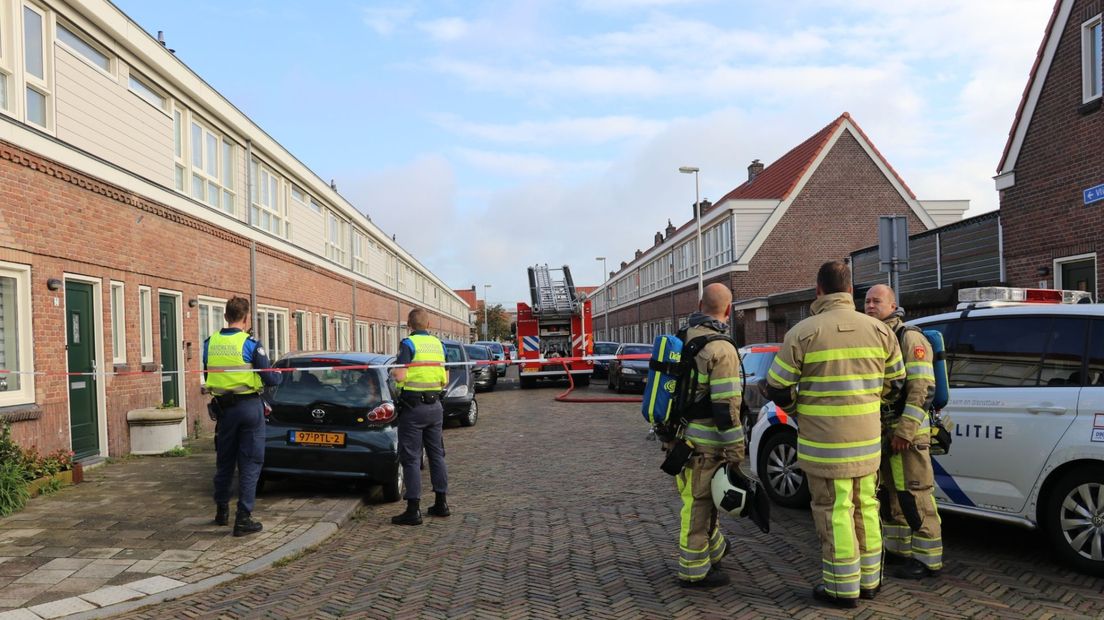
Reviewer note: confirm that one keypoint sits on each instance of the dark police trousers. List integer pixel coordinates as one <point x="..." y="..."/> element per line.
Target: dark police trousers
<point x="421" y="426"/>
<point x="239" y="440"/>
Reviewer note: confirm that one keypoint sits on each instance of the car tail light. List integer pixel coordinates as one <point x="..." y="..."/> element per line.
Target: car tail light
<point x="383" y="413"/>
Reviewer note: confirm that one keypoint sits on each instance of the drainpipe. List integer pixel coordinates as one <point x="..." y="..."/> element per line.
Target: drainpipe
<point x="253" y="242"/>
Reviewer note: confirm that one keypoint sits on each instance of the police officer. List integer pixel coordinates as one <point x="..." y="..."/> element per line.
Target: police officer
<point x="236" y="404"/>
<point x="843" y="365"/>
<point x="910" y="520"/>
<point x="421" y="416"/>
<point x="712" y="427"/>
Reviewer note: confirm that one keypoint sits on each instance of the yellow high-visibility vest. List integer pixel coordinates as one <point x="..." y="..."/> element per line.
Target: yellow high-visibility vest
<point x="425" y="378"/>
<point x="224" y="352"/>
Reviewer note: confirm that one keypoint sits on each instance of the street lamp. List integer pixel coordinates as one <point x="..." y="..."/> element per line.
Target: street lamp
<point x="697" y="216"/>
<point x="485" y="287"/>
<point x="605" y="307"/>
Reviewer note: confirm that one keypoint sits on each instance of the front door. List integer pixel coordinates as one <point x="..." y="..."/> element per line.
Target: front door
<point x="80" y="341"/>
<point x="170" y="379"/>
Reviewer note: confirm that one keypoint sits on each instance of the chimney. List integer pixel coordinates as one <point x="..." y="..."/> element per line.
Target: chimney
<point x="638" y="254"/>
<point x="754" y="169"/>
<point x="161" y="40"/>
<point x="624" y="264"/>
<point x="705" y="204"/>
<point x="658" y="238"/>
<point x="670" y="230"/>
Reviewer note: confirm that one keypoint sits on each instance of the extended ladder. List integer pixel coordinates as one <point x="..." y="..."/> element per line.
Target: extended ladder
<point x="552" y="297"/>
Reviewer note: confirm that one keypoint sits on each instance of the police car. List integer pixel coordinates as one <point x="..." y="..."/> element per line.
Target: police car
<point x="1026" y="370"/>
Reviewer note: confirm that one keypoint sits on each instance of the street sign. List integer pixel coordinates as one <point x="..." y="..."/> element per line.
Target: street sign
<point x="893" y="247"/>
<point x="1094" y="194"/>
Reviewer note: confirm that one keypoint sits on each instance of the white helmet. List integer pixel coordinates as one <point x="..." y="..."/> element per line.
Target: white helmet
<point x="736" y="494"/>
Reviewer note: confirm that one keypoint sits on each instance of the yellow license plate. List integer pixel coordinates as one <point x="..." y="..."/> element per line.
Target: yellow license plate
<point x="530" y="370"/>
<point x="315" y="438"/>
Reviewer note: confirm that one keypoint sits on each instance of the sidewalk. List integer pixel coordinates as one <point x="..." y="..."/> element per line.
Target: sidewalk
<point x="139" y="530"/>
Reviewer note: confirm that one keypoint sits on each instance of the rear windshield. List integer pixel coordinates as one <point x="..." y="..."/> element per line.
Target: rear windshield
<point x="639" y="350"/>
<point x="605" y="349"/>
<point x="478" y="353"/>
<point x="453" y="353"/>
<point x="494" y="346"/>
<point x="346" y="388"/>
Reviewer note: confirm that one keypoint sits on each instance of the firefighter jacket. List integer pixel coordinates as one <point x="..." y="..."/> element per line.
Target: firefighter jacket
<point x="843" y="365"/>
<point x="911" y="420"/>
<point x="717" y="371"/>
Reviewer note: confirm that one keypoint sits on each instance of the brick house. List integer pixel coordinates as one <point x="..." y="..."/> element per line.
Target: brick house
<point x="134" y="202"/>
<point x="819" y="201"/>
<point x="1051" y="174"/>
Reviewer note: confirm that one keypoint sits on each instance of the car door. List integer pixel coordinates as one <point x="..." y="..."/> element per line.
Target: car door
<point x="1010" y="403"/>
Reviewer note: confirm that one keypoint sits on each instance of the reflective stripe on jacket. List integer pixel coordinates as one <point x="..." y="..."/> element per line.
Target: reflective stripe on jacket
<point x="428" y="378"/>
<point x="843" y="365"/>
<point x="916" y="352"/>
<point x="225" y="353"/>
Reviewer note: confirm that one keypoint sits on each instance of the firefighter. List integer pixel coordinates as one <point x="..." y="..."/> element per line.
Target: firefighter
<point x="910" y="521"/>
<point x="843" y="365"/>
<point x="712" y="427"/>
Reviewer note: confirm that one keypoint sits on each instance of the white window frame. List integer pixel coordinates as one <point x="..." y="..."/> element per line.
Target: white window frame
<point x="118" y="322"/>
<point x="273" y="338"/>
<point x="337" y="237"/>
<point x="145" y="324"/>
<point x="216" y="316"/>
<point x="1057" y="270"/>
<point x="324" y="332"/>
<point x="686" y="261"/>
<point x="85" y="55"/>
<point x="143" y="89"/>
<point x="7" y="38"/>
<point x="267" y="199"/>
<point x="23" y="333"/>
<point x="341" y="333"/>
<point x="360" y="251"/>
<point x="40" y="85"/>
<point x="180" y="149"/>
<point x="362" y="337"/>
<point x="717" y="245"/>
<point x="1090" y="48"/>
<point x="217" y="188"/>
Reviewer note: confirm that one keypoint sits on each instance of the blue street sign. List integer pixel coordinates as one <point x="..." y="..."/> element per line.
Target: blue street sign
<point x="1094" y="194"/>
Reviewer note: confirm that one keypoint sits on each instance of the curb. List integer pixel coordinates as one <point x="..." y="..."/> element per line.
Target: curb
<point x="326" y="526"/>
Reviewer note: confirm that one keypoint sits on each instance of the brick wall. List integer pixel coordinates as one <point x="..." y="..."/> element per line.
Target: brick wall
<point x="1043" y="214"/>
<point x="61" y="222"/>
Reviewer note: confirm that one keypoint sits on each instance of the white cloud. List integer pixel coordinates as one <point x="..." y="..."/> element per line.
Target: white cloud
<point x="446" y="28"/>
<point x="573" y="131"/>
<point x="524" y="165"/>
<point x="623" y="5"/>
<point x="385" y="20"/>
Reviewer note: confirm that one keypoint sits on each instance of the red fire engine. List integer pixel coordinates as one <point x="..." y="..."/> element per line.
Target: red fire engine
<point x="557" y="325"/>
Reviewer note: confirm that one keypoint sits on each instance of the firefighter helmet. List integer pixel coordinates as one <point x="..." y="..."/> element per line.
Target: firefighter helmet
<point x="740" y="496"/>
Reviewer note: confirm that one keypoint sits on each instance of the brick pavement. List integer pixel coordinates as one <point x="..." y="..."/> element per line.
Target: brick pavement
<point x="142" y="526"/>
<point x="560" y="511"/>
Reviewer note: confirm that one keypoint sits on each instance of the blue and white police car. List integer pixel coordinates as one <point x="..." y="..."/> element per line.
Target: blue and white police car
<point x="1026" y="371"/>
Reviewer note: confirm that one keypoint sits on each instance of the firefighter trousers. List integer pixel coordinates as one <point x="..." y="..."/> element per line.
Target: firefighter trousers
<point x="701" y="544"/>
<point x="845" y="511"/>
<point x="910" y="473"/>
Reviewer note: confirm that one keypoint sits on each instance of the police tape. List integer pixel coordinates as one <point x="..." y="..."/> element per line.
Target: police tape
<point x="559" y="361"/>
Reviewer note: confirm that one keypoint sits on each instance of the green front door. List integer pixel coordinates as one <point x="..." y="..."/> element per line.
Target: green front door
<point x="170" y="380"/>
<point x="80" y="341"/>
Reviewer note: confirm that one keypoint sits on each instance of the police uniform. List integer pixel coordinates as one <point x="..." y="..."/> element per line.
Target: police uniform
<point x="240" y="432"/>
<point x="843" y="364"/>
<point x="422" y="413"/>
<point x="717" y="438"/>
<point x="909" y="474"/>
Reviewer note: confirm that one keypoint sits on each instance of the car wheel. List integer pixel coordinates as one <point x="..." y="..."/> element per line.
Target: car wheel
<point x="1073" y="519"/>
<point x="779" y="472"/>
<point x="472" y="416"/>
<point x="393" y="490"/>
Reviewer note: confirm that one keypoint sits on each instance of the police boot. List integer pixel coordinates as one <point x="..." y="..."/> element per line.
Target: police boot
<point x="222" y="514"/>
<point x="821" y="594"/>
<point x="713" y="579"/>
<point x="439" y="508"/>
<point x="245" y="524"/>
<point x="412" y="516"/>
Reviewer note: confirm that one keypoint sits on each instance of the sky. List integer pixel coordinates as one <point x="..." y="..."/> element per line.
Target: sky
<point x="491" y="135"/>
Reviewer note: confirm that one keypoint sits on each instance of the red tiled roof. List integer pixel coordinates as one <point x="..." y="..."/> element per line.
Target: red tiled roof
<point x="585" y="290"/>
<point x="1027" y="89"/>
<point x="467" y="294"/>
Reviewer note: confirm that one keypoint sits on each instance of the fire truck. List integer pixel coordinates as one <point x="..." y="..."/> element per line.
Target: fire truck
<point x="556" y="325"/>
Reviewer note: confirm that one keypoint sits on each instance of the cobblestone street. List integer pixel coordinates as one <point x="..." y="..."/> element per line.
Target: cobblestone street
<point x="560" y="510"/>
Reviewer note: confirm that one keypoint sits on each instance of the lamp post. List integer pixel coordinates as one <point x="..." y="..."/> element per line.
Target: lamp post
<point x="605" y="289"/>
<point x="485" y="287"/>
<point x="697" y="216"/>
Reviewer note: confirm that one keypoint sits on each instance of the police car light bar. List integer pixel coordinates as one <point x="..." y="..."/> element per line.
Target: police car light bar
<point x="1022" y="295"/>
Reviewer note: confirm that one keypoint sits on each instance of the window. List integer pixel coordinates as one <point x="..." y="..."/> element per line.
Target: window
<point x="360" y="252"/>
<point x="362" y="337"/>
<point x="1076" y="273"/>
<point x="5" y="61"/>
<point x="270" y="329"/>
<point x="35" y="62"/>
<point x="211" y="317"/>
<point x="118" y="323"/>
<point x="717" y="245"/>
<point x="212" y="168"/>
<point x="140" y="87"/>
<point x="999" y="352"/>
<point x="337" y="238"/>
<point x="324" y="333"/>
<point x="1096" y="355"/>
<point x="267" y="209"/>
<point x="300" y="196"/>
<point x="15" y="335"/>
<point x="686" y="261"/>
<point x="178" y="143"/>
<point x="82" y="47"/>
<point x="1065" y="351"/>
<point x="341" y="334"/>
<point x="1091" y="59"/>
<point x="145" y="323"/>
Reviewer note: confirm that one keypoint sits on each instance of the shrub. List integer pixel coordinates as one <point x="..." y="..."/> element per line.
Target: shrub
<point x="13" y="487"/>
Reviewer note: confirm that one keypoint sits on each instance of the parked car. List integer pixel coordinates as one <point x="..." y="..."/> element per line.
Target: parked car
<point x="630" y="373"/>
<point x="326" y="422"/>
<point x="756" y="360"/>
<point x="497" y="352"/>
<point x="486" y="376"/>
<point x="511" y="351"/>
<point x="1026" y="392"/>
<point x="601" y="367"/>
<point x="459" y="400"/>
